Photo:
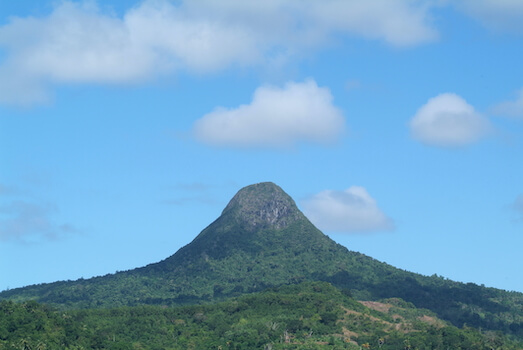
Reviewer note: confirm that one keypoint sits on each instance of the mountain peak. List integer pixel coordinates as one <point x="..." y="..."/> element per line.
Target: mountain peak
<point x="255" y="219"/>
<point x="261" y="205"/>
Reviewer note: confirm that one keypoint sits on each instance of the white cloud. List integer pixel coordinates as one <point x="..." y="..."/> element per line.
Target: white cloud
<point x="276" y="117"/>
<point x="448" y="120"/>
<point x="352" y="210"/>
<point x="498" y="15"/>
<point x="26" y="222"/>
<point x="78" y="43"/>
<point x="513" y="108"/>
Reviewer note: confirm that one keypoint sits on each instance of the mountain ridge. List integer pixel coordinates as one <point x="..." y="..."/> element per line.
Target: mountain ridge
<point x="262" y="240"/>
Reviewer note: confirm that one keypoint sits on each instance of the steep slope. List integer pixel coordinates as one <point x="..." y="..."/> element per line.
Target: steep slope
<point x="262" y="240"/>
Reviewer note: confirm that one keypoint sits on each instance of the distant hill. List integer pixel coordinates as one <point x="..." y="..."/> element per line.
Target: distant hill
<point x="262" y="240"/>
<point x="310" y="315"/>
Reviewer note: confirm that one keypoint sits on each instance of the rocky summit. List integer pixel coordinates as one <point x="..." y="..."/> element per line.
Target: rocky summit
<point x="257" y="217"/>
<point x="262" y="205"/>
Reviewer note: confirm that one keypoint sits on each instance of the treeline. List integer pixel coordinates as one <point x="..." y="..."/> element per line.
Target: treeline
<point x="313" y="315"/>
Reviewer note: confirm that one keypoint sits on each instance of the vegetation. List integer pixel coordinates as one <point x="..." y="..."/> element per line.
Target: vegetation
<point x="313" y="315"/>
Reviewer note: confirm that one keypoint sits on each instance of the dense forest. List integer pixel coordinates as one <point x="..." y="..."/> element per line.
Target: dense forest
<point x="311" y="315"/>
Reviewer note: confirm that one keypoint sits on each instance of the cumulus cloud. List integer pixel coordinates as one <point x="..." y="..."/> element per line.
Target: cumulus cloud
<point x="79" y="43"/>
<point x="276" y="117"/>
<point x="351" y="210"/>
<point x="513" y="109"/>
<point x="498" y="15"/>
<point x="447" y="120"/>
<point x="26" y="222"/>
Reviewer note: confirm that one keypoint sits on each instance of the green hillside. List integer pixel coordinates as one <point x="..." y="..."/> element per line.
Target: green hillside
<point x="313" y="315"/>
<point x="262" y="240"/>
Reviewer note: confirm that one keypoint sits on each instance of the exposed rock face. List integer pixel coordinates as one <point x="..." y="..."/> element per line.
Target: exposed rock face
<point x="261" y="205"/>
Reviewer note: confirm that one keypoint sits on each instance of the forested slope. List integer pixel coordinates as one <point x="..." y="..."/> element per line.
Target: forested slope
<point x="313" y="315"/>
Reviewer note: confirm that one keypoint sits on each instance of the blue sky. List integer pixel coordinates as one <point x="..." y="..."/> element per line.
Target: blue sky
<point x="126" y="127"/>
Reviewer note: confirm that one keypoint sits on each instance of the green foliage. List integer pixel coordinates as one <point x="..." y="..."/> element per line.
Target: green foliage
<point x="312" y="315"/>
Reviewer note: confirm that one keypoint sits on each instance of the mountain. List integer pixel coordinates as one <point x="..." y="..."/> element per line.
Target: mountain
<point x="262" y="240"/>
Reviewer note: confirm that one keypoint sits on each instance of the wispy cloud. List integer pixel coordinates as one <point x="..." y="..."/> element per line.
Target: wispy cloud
<point x="351" y="210"/>
<point x="512" y="109"/>
<point x="276" y="117"/>
<point x="198" y="199"/>
<point x="195" y="192"/>
<point x="194" y="186"/>
<point x="7" y="190"/>
<point x="518" y="206"/>
<point x="78" y="43"/>
<point x="498" y="15"/>
<point x="447" y="120"/>
<point x="26" y="222"/>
